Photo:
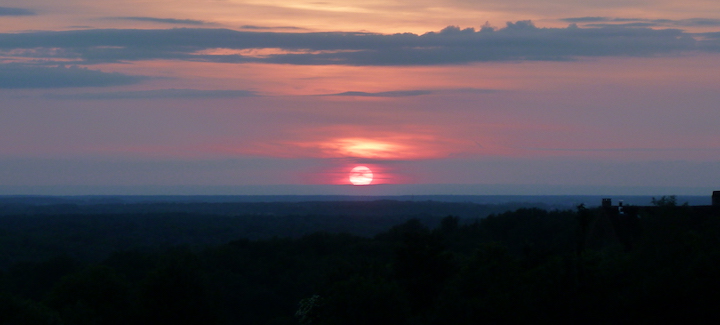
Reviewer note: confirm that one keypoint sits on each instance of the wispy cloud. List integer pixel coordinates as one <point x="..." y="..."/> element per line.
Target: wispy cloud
<point x="13" y="76"/>
<point x="643" y="22"/>
<point x="157" y="94"/>
<point x="166" y="20"/>
<point x="644" y="25"/>
<point x="253" y="27"/>
<point x="9" y="11"/>
<point x="397" y="93"/>
<point x="621" y="149"/>
<point x="414" y="92"/>
<point x="600" y="19"/>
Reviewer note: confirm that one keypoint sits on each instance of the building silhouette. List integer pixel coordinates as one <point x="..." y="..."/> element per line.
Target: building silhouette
<point x="620" y="224"/>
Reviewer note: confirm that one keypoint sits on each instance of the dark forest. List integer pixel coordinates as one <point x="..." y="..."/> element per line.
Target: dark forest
<point x="68" y="264"/>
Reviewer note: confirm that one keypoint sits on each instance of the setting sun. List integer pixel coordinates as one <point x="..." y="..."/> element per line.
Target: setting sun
<point x="361" y="175"/>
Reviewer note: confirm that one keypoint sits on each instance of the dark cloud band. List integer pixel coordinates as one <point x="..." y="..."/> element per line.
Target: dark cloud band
<point x="516" y="42"/>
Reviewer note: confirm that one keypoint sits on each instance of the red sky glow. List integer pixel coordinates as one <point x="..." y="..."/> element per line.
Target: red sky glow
<point x="550" y="97"/>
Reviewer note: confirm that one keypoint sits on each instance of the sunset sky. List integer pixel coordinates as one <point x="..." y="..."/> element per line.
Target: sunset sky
<point x="286" y="97"/>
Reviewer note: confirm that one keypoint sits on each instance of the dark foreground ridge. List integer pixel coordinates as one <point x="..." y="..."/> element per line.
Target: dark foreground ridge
<point x="654" y="263"/>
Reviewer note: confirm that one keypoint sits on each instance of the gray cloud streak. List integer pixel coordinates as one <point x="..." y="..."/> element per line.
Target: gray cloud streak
<point x="397" y="93"/>
<point x="415" y="92"/>
<point x="157" y="94"/>
<point x="14" y="76"/>
<point x="9" y="11"/>
<point x="271" y="28"/>
<point x="622" y="25"/>
<point x="643" y="22"/>
<point x="165" y="20"/>
<point x="620" y="149"/>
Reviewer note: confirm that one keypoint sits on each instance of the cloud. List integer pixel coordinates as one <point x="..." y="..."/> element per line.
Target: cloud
<point x="643" y="22"/>
<point x="9" y="11"/>
<point x="411" y="93"/>
<point x="397" y="93"/>
<point x="623" y="25"/>
<point x="620" y="149"/>
<point x="518" y="41"/>
<point x="166" y="20"/>
<point x="22" y="76"/>
<point x="585" y="19"/>
<point x="270" y="28"/>
<point x="471" y="90"/>
<point x="711" y="36"/>
<point x="698" y="22"/>
<point x="157" y="94"/>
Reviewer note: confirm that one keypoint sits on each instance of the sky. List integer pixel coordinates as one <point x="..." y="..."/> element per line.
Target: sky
<point x="286" y="97"/>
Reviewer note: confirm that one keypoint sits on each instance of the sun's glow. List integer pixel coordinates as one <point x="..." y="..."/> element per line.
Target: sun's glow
<point x="364" y="148"/>
<point x="361" y="175"/>
<point x="386" y="145"/>
<point x="367" y="148"/>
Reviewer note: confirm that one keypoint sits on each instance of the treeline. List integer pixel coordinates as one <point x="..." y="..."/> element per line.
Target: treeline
<point x="92" y="237"/>
<point x="524" y="266"/>
<point x="38" y="228"/>
<point x="51" y="206"/>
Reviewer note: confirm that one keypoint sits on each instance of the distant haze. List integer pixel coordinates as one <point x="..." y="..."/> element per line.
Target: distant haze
<point x="361" y="191"/>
